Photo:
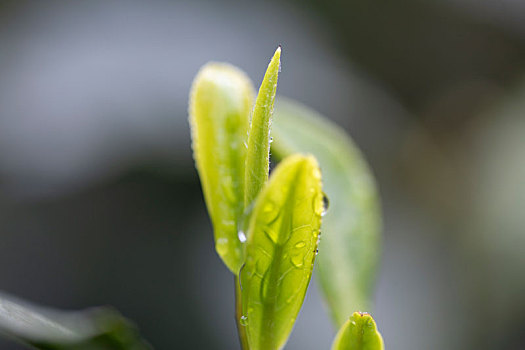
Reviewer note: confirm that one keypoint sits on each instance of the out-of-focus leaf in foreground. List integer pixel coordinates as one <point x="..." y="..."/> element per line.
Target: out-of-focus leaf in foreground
<point x="42" y="328"/>
<point x="349" y="248"/>
<point x="257" y="158"/>
<point x="220" y="105"/>
<point x="358" y="333"/>
<point x="281" y="248"/>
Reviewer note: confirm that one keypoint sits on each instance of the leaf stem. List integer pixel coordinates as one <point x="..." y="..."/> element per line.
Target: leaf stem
<point x="241" y="330"/>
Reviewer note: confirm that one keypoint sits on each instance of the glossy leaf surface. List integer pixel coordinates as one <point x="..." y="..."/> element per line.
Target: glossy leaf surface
<point x="358" y="333"/>
<point x="257" y="159"/>
<point x="350" y="244"/>
<point x="280" y="251"/>
<point x="42" y="328"/>
<point x="220" y="105"/>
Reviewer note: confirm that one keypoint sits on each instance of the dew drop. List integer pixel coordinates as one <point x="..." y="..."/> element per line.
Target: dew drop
<point x="242" y="236"/>
<point x="271" y="139"/>
<point x="300" y="245"/>
<point x="297" y="261"/>
<point x="243" y="321"/>
<point x="270" y="213"/>
<point x="317" y="174"/>
<point x="326" y="204"/>
<point x="271" y="234"/>
<point x="318" y="204"/>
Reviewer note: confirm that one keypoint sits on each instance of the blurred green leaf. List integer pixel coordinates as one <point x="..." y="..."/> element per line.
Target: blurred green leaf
<point x="43" y="328"/>
<point x="358" y="333"/>
<point x="280" y="251"/>
<point x="349" y="248"/>
<point x="257" y="158"/>
<point x="221" y="100"/>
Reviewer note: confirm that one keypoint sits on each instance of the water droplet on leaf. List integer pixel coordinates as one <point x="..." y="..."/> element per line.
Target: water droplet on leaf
<point x="318" y="204"/>
<point x="243" y="320"/>
<point x="300" y="245"/>
<point x="297" y="261"/>
<point x="270" y="213"/>
<point x="242" y="236"/>
<point x="272" y="235"/>
<point x="326" y="204"/>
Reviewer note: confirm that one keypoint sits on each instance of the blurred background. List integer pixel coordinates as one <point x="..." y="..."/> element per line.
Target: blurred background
<point x="100" y="202"/>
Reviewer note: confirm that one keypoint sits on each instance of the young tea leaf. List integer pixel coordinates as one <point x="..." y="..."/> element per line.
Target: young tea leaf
<point x="358" y="333"/>
<point x="349" y="250"/>
<point x="220" y="105"/>
<point x="280" y="251"/>
<point x="257" y="159"/>
<point x="47" y="329"/>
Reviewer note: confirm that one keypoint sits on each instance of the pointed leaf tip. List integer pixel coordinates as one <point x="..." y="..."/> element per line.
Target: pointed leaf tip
<point x="278" y="52"/>
<point x="359" y="332"/>
<point x="257" y="158"/>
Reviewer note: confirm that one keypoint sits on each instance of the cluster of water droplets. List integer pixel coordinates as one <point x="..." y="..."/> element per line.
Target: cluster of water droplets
<point x="296" y="254"/>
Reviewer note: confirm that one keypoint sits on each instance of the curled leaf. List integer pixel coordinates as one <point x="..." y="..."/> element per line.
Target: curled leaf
<point x="43" y="328"/>
<point x="220" y="105"/>
<point x="350" y="248"/>
<point x="358" y="333"/>
<point x="257" y="158"/>
<point x="280" y="252"/>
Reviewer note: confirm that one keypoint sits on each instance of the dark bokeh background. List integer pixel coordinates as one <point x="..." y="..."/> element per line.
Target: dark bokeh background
<point x="100" y="202"/>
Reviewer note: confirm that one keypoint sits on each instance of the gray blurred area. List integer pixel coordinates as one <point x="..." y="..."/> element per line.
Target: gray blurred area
<point x="100" y="203"/>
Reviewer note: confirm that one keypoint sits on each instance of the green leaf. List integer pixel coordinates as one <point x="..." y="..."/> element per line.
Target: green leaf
<point x="280" y="251"/>
<point x="220" y="105"/>
<point x="350" y="244"/>
<point x="358" y="333"/>
<point x="43" y="328"/>
<point x="257" y="158"/>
